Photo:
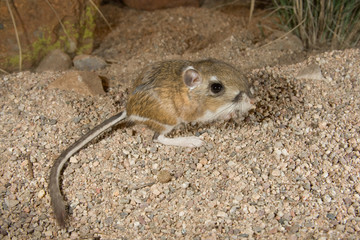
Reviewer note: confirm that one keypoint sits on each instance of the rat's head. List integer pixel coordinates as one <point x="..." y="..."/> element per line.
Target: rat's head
<point x="222" y="90"/>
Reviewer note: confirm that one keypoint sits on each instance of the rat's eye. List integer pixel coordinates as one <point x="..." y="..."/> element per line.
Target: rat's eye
<point x="216" y="87"/>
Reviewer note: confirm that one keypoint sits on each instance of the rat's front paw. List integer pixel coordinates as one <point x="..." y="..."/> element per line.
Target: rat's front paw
<point x="194" y="142"/>
<point x="181" y="141"/>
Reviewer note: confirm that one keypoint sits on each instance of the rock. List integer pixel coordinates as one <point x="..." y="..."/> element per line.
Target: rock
<point x="281" y="41"/>
<point x="88" y="62"/>
<point x="86" y="83"/>
<point x="158" y="4"/>
<point x="40" y="32"/>
<point x="164" y="176"/>
<point x="312" y="72"/>
<point x="56" y="60"/>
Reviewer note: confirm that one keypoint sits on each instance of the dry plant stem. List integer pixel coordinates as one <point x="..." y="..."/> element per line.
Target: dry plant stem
<point x="141" y="186"/>
<point x="352" y="34"/>
<point x="2" y="70"/>
<point x="284" y="35"/>
<point x="252" y="6"/>
<point x="336" y="31"/>
<point x="225" y="4"/>
<point x="58" y="18"/>
<point x="16" y="34"/>
<point x="101" y="14"/>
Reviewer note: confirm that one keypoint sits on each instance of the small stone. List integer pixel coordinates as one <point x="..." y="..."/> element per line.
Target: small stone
<point x="11" y="203"/>
<point x="73" y="160"/>
<point x="86" y="83"/>
<point x="41" y="193"/>
<point x="252" y="209"/>
<point x="231" y="163"/>
<point x="155" y="190"/>
<point x="255" y="196"/>
<point x="55" y="60"/>
<point x="331" y="216"/>
<point x="124" y="200"/>
<point x="312" y="72"/>
<point x="116" y="193"/>
<point x="222" y="214"/>
<point x="48" y="233"/>
<point x="357" y="188"/>
<point x="185" y="185"/>
<point x="136" y="224"/>
<point x="278" y="144"/>
<point x="203" y="161"/>
<point x="322" y="125"/>
<point x="284" y="152"/>
<point x="327" y="198"/>
<point x="74" y="235"/>
<point x="88" y="62"/>
<point x="164" y="176"/>
<point x="276" y="173"/>
<point x="277" y="152"/>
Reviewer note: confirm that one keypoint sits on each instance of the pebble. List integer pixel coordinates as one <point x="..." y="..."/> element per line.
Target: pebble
<point x="276" y="173"/>
<point x="222" y="214"/>
<point x="41" y="193"/>
<point x="323" y="125"/>
<point x="164" y="176"/>
<point x="89" y="63"/>
<point x="357" y="188"/>
<point x="116" y="193"/>
<point x="11" y="203"/>
<point x="48" y="233"/>
<point x="327" y="199"/>
<point x="252" y="209"/>
<point x="155" y="190"/>
<point x="278" y="144"/>
<point x="331" y="216"/>
<point x="203" y="161"/>
<point x="73" y="160"/>
<point x="124" y="200"/>
<point x="185" y="185"/>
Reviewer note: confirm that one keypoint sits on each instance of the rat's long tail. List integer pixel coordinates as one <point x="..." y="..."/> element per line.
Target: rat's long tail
<point x="57" y="201"/>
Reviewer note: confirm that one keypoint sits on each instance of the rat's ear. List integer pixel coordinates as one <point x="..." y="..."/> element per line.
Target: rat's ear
<point x="191" y="77"/>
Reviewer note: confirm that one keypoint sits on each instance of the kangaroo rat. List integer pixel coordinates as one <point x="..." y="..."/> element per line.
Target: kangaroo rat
<point x="165" y="95"/>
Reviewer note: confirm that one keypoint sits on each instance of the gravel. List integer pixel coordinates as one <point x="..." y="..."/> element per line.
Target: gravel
<point x="290" y="170"/>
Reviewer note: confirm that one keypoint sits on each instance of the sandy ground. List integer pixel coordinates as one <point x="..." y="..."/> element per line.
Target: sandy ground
<point x="290" y="170"/>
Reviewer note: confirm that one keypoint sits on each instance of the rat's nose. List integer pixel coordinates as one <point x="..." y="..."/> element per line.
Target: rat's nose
<point x="252" y="101"/>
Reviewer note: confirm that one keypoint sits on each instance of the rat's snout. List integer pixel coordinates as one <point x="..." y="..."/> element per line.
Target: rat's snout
<point x="252" y="101"/>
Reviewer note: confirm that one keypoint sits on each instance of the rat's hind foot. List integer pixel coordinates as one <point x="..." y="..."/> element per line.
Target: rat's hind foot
<point x="180" y="141"/>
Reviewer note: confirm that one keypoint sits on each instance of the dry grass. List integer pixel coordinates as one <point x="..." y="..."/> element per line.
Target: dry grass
<point x="333" y="23"/>
<point x="16" y="34"/>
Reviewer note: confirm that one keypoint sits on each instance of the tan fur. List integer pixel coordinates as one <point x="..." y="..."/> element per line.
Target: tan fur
<point x="170" y="101"/>
<point x="165" y="95"/>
